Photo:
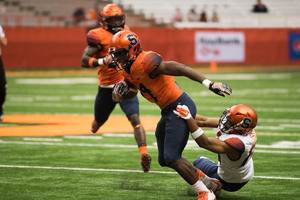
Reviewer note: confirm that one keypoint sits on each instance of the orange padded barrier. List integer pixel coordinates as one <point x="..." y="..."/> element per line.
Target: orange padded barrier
<point x="30" y="47"/>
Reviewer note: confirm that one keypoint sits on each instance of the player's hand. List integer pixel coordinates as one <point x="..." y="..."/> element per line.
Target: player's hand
<point x="119" y="90"/>
<point x="108" y="60"/>
<point x="183" y="112"/>
<point x="220" y="88"/>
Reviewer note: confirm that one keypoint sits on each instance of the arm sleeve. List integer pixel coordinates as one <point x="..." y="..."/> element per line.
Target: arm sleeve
<point x="236" y="143"/>
<point x="151" y="62"/>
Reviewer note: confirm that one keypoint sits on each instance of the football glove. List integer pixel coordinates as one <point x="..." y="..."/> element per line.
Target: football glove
<point x="220" y="88"/>
<point x="119" y="90"/>
<point x="183" y="112"/>
<point x="108" y="60"/>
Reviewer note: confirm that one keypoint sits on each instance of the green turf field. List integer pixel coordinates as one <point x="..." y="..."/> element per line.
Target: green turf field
<point x="107" y="166"/>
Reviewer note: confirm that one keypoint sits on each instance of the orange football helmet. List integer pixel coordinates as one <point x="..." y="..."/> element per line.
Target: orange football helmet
<point x="239" y="119"/>
<point x="112" y="18"/>
<point x="125" y="46"/>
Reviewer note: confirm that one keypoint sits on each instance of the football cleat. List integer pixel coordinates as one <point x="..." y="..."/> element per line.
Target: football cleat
<point x="146" y="162"/>
<point x="94" y="126"/>
<point x="211" y="183"/>
<point x="206" y="195"/>
<point x="216" y="185"/>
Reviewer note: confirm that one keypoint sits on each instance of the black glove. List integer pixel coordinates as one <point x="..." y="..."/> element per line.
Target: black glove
<point x="220" y="88"/>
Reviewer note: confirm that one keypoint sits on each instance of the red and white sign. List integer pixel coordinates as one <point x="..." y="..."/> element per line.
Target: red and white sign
<point x="219" y="46"/>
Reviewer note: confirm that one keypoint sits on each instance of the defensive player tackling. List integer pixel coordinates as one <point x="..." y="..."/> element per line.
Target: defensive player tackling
<point x="234" y="145"/>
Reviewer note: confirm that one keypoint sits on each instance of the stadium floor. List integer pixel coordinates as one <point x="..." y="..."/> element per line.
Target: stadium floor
<point x="59" y="125"/>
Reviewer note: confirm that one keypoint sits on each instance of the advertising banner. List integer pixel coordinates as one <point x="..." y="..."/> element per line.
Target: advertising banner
<point x="294" y="46"/>
<point x="219" y="46"/>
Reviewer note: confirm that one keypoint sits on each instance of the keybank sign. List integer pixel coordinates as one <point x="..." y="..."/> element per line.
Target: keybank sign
<point x="219" y="46"/>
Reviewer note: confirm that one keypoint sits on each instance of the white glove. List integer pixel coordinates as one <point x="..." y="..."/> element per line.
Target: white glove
<point x="183" y="112"/>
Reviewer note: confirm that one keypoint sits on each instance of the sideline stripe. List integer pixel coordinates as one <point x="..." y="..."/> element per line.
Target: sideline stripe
<point x="122" y="170"/>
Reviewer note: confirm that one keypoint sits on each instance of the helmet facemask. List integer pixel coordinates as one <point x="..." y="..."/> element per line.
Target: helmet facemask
<point x="121" y="58"/>
<point x="225" y="124"/>
<point x="113" y="23"/>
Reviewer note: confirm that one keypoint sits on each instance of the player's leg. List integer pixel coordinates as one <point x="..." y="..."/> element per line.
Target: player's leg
<point x="131" y="109"/>
<point x="2" y="89"/>
<point x="176" y="137"/>
<point x="207" y="171"/>
<point x="102" y="108"/>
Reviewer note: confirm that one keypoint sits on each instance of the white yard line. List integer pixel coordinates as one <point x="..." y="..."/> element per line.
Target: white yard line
<point x="43" y="139"/>
<point x="119" y="170"/>
<point x="56" y="81"/>
<point x="83" y="137"/>
<point x="191" y="146"/>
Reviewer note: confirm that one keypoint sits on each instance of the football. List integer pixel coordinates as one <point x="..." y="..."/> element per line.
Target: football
<point x="123" y="91"/>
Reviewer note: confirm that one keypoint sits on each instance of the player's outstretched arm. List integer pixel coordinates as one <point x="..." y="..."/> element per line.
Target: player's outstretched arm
<point x="212" y="144"/>
<point x="88" y="61"/>
<point x="177" y="69"/>
<point x="203" y="121"/>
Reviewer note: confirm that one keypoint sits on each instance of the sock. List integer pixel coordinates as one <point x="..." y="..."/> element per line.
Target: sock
<point x="143" y="148"/>
<point x="199" y="186"/>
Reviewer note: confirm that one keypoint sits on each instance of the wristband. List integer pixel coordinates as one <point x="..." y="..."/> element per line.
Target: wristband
<point x="206" y="83"/>
<point x="91" y="61"/>
<point x="197" y="133"/>
<point x="100" y="62"/>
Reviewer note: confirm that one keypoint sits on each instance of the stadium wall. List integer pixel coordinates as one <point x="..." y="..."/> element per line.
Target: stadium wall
<point x="47" y="47"/>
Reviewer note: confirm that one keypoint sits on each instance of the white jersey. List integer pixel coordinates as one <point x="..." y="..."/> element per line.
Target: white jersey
<point x="241" y="170"/>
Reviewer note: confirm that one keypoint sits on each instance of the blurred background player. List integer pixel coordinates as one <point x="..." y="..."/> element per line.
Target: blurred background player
<point x="234" y="145"/>
<point x="112" y="20"/>
<point x="3" y="42"/>
<point x="156" y="81"/>
<point x="259" y="7"/>
<point x="79" y="16"/>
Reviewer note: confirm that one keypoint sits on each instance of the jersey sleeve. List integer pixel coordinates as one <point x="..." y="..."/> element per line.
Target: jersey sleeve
<point x="151" y="62"/>
<point x="236" y="143"/>
<point x="92" y="38"/>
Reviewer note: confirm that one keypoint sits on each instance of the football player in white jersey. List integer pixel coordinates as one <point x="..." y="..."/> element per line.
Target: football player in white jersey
<point x="234" y="145"/>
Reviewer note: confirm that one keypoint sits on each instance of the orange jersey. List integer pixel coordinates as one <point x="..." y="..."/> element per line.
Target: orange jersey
<point x="101" y="37"/>
<point x="160" y="89"/>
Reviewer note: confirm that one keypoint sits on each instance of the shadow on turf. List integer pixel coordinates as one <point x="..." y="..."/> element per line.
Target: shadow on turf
<point x="225" y="196"/>
<point x="130" y="184"/>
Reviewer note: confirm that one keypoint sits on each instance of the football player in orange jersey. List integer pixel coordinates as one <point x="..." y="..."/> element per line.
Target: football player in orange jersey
<point x="234" y="145"/>
<point x="112" y="20"/>
<point x="155" y="79"/>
